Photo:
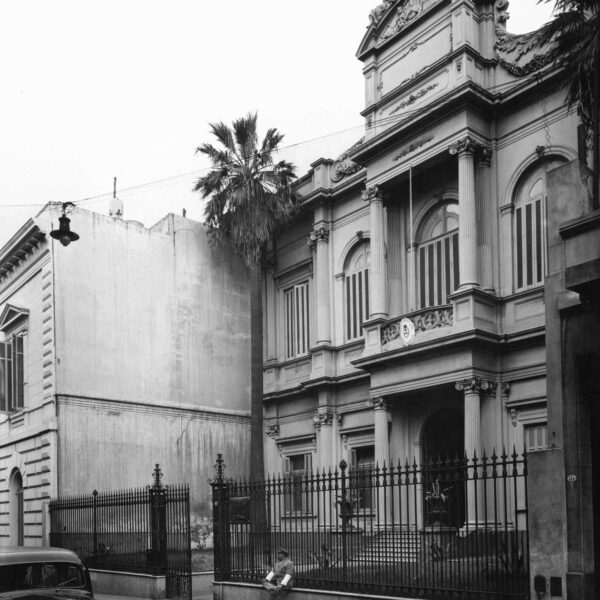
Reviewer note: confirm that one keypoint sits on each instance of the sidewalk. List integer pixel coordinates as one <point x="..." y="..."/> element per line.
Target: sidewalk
<point x="207" y="596"/>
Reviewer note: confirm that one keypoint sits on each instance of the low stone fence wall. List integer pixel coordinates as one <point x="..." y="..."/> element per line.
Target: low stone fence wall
<point x="249" y="591"/>
<point x="139" y="585"/>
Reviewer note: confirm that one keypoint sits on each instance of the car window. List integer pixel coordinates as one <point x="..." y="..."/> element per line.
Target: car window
<point x="26" y="576"/>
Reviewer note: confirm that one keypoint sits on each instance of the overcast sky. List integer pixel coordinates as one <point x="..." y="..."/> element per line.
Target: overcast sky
<point x="91" y="90"/>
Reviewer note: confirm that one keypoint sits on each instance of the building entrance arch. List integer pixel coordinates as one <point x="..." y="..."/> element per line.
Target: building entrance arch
<point x="442" y="441"/>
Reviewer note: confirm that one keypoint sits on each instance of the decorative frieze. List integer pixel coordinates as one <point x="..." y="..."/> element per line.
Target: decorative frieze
<point x="433" y="318"/>
<point x="413" y="98"/>
<point x="405" y="13"/>
<point x="412" y="147"/>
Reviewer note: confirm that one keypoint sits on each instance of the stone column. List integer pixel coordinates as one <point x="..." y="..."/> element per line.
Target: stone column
<point x="485" y="213"/>
<point x="472" y="388"/>
<point x="467" y="211"/>
<point x="377" y="269"/>
<point x="382" y="435"/>
<point x="382" y="459"/>
<point x="326" y="458"/>
<point x="319" y="238"/>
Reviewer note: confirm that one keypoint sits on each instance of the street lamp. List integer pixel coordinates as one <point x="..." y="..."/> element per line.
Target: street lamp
<point x="64" y="234"/>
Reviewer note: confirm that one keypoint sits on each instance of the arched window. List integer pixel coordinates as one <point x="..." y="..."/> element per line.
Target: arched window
<point x="356" y="277"/>
<point x="530" y="231"/>
<point x="16" y="508"/>
<point x="438" y="256"/>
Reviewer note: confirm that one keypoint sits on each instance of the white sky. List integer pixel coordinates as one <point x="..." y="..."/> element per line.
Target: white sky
<point x="95" y="89"/>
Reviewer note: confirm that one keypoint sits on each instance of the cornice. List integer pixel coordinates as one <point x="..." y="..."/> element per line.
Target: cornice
<point x="21" y="245"/>
<point x="464" y="96"/>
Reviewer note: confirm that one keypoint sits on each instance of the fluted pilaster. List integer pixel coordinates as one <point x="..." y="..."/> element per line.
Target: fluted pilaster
<point x="319" y="238"/>
<point x="377" y="268"/>
<point x="485" y="211"/>
<point x="467" y="210"/>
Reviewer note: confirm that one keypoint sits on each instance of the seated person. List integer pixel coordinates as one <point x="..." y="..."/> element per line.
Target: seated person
<point x="280" y="578"/>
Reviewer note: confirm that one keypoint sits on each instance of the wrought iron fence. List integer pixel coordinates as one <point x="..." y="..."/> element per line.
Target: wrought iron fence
<point x="140" y="531"/>
<point x="449" y="529"/>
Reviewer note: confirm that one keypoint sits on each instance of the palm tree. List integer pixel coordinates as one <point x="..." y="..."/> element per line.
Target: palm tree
<point x="576" y="33"/>
<point x="249" y="197"/>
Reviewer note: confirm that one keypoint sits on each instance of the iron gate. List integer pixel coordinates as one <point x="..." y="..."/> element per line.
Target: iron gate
<point x="140" y="531"/>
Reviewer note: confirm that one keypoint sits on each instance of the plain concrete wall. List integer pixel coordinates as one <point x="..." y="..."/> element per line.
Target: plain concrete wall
<point x="151" y="315"/>
<point x="134" y="585"/>
<point x="152" y="342"/>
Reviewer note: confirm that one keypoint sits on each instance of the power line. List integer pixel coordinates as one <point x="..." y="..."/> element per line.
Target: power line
<point x="181" y="177"/>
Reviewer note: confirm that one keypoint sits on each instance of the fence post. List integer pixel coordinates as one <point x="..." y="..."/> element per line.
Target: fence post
<point x="158" y="521"/>
<point x="343" y="465"/>
<point x="95" y="520"/>
<point x="221" y="543"/>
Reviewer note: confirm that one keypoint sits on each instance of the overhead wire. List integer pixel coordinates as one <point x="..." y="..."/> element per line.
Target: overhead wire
<point x="181" y="177"/>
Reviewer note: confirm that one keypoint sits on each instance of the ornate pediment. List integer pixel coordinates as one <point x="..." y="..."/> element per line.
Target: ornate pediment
<point x="12" y="316"/>
<point x="523" y="54"/>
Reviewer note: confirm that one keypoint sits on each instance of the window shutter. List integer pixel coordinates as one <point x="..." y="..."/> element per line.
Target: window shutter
<point x="3" y="376"/>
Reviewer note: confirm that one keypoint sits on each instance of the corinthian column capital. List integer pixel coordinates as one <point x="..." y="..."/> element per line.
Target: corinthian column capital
<point x="483" y="156"/>
<point x="377" y="404"/>
<point x="372" y="193"/>
<point x="476" y="385"/>
<point x="466" y="145"/>
<point x="319" y="234"/>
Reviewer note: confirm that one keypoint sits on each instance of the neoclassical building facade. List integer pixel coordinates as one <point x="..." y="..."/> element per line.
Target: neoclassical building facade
<point x="404" y="310"/>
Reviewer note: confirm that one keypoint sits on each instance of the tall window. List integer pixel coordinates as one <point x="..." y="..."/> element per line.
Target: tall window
<point x="11" y="374"/>
<point x="296" y="320"/>
<point x="298" y="468"/>
<point x="361" y="480"/>
<point x="438" y="256"/>
<point x="357" y="291"/>
<point x="529" y="234"/>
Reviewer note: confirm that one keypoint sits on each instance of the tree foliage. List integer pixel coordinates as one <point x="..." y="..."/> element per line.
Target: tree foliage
<point x="249" y="196"/>
<point x="575" y="30"/>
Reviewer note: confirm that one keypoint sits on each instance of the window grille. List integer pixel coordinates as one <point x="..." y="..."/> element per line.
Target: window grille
<point x="11" y="374"/>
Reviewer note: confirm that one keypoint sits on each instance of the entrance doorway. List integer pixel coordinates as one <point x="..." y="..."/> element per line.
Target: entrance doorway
<point x="442" y="441"/>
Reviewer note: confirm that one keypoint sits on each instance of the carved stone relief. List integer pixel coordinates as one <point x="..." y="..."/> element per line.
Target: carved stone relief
<point x="412" y="147"/>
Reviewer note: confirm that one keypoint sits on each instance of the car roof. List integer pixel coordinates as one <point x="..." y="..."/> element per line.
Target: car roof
<point x="20" y="554"/>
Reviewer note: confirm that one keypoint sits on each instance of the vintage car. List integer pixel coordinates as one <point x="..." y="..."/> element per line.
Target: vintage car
<point x="40" y="573"/>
